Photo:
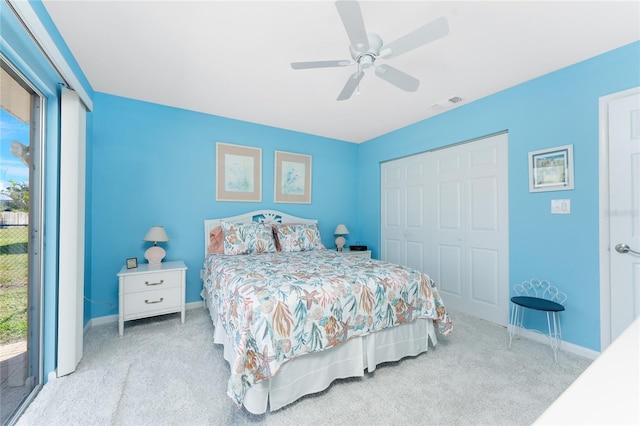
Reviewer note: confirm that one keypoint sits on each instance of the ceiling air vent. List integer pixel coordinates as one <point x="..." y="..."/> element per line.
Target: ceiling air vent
<point x="441" y="106"/>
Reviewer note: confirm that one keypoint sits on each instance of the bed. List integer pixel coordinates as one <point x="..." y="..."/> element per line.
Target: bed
<point x="293" y="316"/>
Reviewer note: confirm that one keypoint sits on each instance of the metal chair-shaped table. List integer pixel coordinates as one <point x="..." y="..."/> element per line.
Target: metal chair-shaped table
<point x="538" y="295"/>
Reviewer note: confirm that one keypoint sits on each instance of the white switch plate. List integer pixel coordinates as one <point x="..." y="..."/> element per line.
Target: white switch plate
<point x="560" y="206"/>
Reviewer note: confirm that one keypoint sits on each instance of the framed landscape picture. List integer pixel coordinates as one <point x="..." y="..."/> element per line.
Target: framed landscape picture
<point x="238" y="173"/>
<point x="551" y="169"/>
<point x="292" y="178"/>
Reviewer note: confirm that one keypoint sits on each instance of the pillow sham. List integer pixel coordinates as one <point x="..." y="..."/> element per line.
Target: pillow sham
<point x="274" y="228"/>
<point x="216" y="241"/>
<point x="248" y="238"/>
<point x="298" y="237"/>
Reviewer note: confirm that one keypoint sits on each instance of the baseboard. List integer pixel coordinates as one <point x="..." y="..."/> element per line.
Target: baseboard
<point x="565" y="346"/>
<point x="528" y="334"/>
<point x="108" y="319"/>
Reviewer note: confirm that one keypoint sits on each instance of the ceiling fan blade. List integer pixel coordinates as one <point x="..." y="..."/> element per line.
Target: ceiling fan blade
<point x="397" y="78"/>
<point x="429" y="32"/>
<point x="351" y="85"/>
<point x="320" y="64"/>
<point x="351" y="16"/>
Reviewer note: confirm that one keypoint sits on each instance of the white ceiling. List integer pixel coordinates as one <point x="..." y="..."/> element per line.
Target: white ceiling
<point x="232" y="58"/>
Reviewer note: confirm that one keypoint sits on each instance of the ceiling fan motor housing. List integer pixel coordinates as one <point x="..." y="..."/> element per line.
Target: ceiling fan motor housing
<point x="366" y="58"/>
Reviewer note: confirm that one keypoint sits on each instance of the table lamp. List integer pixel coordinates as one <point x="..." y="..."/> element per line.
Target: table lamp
<point x="340" y="241"/>
<point x="155" y="253"/>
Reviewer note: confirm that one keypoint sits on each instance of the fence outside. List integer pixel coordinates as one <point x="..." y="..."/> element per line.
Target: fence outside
<point x="14" y="253"/>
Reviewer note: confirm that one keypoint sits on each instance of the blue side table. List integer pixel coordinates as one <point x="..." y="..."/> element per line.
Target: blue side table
<point x="545" y="304"/>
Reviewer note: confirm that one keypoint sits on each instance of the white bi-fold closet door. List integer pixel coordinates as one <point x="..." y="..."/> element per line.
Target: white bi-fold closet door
<point x="445" y="212"/>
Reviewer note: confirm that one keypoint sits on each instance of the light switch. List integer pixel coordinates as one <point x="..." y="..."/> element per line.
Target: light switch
<point x="560" y="206"/>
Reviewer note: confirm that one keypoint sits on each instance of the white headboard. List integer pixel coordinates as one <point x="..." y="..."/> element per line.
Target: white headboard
<point x="268" y="216"/>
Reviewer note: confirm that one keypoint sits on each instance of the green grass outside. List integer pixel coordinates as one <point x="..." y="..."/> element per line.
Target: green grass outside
<point x="13" y="314"/>
<point x="14" y="278"/>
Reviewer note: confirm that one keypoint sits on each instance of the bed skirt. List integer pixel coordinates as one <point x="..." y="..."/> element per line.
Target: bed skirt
<point x="314" y="372"/>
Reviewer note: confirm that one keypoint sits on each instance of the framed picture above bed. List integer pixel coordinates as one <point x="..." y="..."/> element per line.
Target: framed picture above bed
<point x="238" y="173"/>
<point x="551" y="169"/>
<point x="292" y="178"/>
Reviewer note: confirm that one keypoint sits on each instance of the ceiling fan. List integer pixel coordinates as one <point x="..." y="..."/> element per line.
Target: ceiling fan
<point x="366" y="47"/>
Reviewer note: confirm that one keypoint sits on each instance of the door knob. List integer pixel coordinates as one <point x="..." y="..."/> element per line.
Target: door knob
<point x="624" y="248"/>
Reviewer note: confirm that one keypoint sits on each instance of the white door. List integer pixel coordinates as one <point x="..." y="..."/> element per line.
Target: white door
<point x="446" y="213"/>
<point x="403" y="214"/>
<point x="624" y="209"/>
<point x="470" y="228"/>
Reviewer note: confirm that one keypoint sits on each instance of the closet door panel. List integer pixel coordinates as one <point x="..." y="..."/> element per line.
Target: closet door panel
<point x="404" y="213"/>
<point x="392" y="224"/>
<point x="484" y="275"/>
<point x="448" y="273"/>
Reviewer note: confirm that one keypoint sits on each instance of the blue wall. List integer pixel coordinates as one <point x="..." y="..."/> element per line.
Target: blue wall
<point x="557" y="109"/>
<point x="155" y="165"/>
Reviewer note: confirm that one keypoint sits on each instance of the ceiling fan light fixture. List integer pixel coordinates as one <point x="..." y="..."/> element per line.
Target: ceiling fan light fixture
<point x="366" y="60"/>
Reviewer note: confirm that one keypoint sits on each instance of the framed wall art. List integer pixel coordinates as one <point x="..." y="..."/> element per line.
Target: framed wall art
<point x="292" y="178"/>
<point x="238" y="173"/>
<point x="551" y="169"/>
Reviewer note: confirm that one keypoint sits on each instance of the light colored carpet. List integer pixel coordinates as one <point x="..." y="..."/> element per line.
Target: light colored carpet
<point x="166" y="373"/>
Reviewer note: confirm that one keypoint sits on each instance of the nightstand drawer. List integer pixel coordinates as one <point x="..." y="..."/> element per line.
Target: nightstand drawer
<point x="366" y="253"/>
<point x="152" y="281"/>
<point x="148" y="301"/>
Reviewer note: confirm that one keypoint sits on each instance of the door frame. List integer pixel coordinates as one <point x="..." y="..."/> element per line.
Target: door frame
<point x="35" y="300"/>
<point x="604" y="223"/>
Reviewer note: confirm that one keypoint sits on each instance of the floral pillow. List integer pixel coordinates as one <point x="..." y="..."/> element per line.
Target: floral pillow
<point x="299" y="237"/>
<point x="246" y="238"/>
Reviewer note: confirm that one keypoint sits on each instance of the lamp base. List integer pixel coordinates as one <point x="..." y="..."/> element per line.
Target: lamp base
<point x="154" y="255"/>
<point x="340" y="241"/>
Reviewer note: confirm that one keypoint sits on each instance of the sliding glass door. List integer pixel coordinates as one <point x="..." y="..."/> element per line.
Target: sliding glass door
<point x="20" y="241"/>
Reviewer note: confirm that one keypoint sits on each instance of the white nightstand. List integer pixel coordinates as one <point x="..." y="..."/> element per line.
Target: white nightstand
<point x="366" y="253"/>
<point x="147" y="291"/>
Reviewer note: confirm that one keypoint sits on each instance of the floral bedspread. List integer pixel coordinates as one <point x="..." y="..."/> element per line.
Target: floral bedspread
<point x="278" y="306"/>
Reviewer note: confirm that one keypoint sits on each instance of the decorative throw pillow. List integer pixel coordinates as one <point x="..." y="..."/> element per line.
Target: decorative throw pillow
<point x="299" y="237"/>
<point x="262" y="241"/>
<point x="216" y="241"/>
<point x="244" y="238"/>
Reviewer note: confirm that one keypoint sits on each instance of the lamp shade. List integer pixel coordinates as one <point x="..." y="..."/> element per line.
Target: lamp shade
<point x="341" y="230"/>
<point x="156" y="234"/>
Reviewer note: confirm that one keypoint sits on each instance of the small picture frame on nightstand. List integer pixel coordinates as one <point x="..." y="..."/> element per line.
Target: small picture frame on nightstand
<point x="132" y="263"/>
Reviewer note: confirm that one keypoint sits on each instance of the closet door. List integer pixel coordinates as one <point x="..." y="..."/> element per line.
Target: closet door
<point x="445" y="213"/>
<point x="404" y="217"/>
<point x="469" y="233"/>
